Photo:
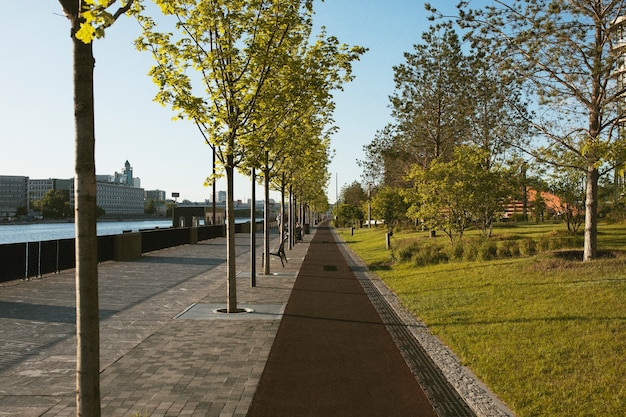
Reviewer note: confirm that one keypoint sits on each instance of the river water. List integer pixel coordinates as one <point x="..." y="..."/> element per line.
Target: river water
<point x="35" y="232"/>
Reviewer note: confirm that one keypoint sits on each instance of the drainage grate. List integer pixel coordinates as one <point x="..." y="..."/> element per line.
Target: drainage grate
<point x="330" y="268"/>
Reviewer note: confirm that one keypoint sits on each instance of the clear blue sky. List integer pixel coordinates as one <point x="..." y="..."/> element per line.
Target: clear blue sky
<point x="36" y="113"/>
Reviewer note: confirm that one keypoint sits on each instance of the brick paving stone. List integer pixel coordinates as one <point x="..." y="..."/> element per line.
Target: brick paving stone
<point x="151" y="363"/>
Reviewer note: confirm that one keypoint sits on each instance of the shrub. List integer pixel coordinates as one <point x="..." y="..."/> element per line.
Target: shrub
<point x="527" y="247"/>
<point x="470" y="251"/>
<point x="544" y="243"/>
<point x="507" y="249"/>
<point x="456" y="251"/>
<point x="404" y="250"/>
<point x="430" y="254"/>
<point x="487" y="250"/>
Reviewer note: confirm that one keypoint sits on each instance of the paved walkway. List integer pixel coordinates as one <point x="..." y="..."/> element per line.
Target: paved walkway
<point x="165" y="351"/>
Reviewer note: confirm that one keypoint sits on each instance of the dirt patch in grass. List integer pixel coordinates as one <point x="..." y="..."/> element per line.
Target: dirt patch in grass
<point x="570" y="259"/>
<point x="577" y="255"/>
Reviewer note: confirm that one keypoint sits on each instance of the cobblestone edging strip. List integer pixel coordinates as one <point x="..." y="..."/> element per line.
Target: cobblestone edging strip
<point x="433" y="363"/>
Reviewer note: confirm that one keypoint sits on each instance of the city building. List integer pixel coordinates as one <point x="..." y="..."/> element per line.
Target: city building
<point x="119" y="194"/>
<point x="124" y="178"/>
<point x="156" y="195"/>
<point x="13" y="195"/>
<point x="119" y="200"/>
<point x="38" y="188"/>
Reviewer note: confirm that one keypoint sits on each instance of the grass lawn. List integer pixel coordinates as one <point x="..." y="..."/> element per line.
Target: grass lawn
<point x="546" y="334"/>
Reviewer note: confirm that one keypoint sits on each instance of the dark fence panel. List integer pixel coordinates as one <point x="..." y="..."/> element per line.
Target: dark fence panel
<point x="106" y="248"/>
<point x="12" y="261"/>
<point x="211" y="232"/>
<point x="49" y="259"/>
<point x="67" y="254"/>
<point x="32" y="259"/>
<point x="161" y="239"/>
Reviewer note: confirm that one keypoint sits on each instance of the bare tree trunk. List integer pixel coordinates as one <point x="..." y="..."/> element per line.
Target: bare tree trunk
<point x="253" y="231"/>
<point x="231" y="306"/>
<point x="591" y="216"/>
<point x="291" y="221"/>
<point x="282" y="208"/>
<point x="87" y="320"/>
<point x="266" y="224"/>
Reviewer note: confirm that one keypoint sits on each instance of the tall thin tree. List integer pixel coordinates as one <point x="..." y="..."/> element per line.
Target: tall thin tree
<point x="88" y="19"/>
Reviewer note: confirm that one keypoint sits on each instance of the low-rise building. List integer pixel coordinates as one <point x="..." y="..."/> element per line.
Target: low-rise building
<point x="13" y="195"/>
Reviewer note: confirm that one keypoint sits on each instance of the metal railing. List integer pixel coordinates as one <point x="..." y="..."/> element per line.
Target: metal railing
<point x="34" y="259"/>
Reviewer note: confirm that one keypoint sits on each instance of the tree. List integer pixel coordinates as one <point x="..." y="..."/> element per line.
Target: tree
<point x="450" y="195"/>
<point x="88" y="19"/>
<point x="569" y="186"/>
<point x="349" y="215"/>
<point x="354" y="194"/>
<point x="239" y="53"/>
<point x="384" y="161"/>
<point x="54" y="205"/>
<point x="430" y="104"/>
<point x="232" y="46"/>
<point x="568" y="54"/>
<point x="292" y="121"/>
<point x="149" y="207"/>
<point x="21" y="211"/>
<point x="494" y="107"/>
<point x="354" y="198"/>
<point x="388" y="204"/>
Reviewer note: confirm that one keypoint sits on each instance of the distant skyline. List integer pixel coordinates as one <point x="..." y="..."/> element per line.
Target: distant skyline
<point x="36" y="104"/>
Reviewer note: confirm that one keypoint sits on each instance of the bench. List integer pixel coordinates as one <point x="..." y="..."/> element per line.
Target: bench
<point x="280" y="252"/>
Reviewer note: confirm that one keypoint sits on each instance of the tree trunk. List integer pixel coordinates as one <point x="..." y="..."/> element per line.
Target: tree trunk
<point x="291" y="227"/>
<point x="253" y="231"/>
<point x="87" y="320"/>
<point x="231" y="306"/>
<point x="591" y="214"/>
<point x="266" y="224"/>
<point x="282" y="209"/>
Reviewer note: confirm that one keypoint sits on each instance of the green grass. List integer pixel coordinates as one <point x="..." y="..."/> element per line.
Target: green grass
<point x="546" y="334"/>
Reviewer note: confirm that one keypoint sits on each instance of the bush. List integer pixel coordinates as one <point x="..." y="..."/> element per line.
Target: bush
<point x="507" y="249"/>
<point x="544" y="243"/>
<point x="487" y="250"/>
<point x="456" y="251"/>
<point x="422" y="252"/>
<point x="404" y="251"/>
<point x="430" y="254"/>
<point x="470" y="251"/>
<point x="527" y="247"/>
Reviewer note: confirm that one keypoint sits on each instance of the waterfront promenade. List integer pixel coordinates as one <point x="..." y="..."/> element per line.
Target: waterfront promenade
<point x="165" y="352"/>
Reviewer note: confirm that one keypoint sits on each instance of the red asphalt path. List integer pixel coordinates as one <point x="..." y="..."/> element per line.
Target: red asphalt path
<point x="332" y="355"/>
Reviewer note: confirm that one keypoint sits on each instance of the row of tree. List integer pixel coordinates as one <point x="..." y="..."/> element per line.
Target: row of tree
<point x="531" y="85"/>
<point x="252" y="78"/>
